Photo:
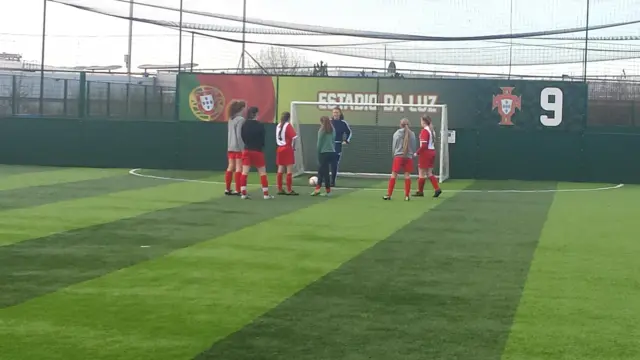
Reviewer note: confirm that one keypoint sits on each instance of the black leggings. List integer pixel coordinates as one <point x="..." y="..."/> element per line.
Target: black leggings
<point x="327" y="161"/>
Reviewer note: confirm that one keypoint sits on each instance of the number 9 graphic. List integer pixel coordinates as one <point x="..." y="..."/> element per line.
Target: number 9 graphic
<point x="548" y="105"/>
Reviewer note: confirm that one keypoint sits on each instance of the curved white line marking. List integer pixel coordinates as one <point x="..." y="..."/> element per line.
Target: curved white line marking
<point x="136" y="172"/>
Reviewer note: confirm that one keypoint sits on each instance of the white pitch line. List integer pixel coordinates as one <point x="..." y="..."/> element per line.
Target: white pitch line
<point x="136" y="172"/>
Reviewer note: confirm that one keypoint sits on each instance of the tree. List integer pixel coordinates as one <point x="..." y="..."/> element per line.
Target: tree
<point x="280" y="61"/>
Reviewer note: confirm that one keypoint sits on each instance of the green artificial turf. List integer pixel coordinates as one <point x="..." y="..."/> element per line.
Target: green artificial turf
<point x="36" y="267"/>
<point x="32" y="180"/>
<point x="29" y="223"/>
<point x="443" y="287"/>
<point x="300" y="181"/>
<point x="174" y="307"/>
<point x="98" y="264"/>
<point x="582" y="298"/>
<point x="23" y="169"/>
<point x="48" y="194"/>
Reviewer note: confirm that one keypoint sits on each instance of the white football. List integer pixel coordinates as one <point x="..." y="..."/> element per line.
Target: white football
<point x="313" y="181"/>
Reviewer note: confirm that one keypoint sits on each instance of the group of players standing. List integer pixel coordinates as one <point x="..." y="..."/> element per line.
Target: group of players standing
<point x="246" y="142"/>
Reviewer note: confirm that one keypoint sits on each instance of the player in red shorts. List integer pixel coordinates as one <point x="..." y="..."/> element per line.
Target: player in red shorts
<point x="253" y="136"/>
<point x="404" y="146"/>
<point x="285" y="153"/>
<point x="235" y="145"/>
<point x="426" y="157"/>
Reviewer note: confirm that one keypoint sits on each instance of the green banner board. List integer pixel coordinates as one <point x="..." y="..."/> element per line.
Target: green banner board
<point x="471" y="103"/>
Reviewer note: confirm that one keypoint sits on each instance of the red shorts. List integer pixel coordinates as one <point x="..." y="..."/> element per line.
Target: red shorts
<point x="253" y="158"/>
<point x="285" y="156"/>
<point x="234" y="155"/>
<point x="402" y="165"/>
<point x="426" y="159"/>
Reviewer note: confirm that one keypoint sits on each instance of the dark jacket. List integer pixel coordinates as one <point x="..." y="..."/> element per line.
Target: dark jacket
<point x="253" y="135"/>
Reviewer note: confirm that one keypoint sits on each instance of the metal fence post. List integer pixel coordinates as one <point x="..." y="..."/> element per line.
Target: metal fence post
<point x="82" y="96"/>
<point x="108" y="99"/>
<point x="146" y="102"/>
<point x="15" y="95"/>
<point x="88" y="104"/>
<point x="161" y="103"/>
<point x="128" y="102"/>
<point x="66" y="98"/>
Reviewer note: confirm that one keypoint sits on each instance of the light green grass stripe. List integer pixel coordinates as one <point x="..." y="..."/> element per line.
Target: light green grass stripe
<point x="34" y="222"/>
<point x="582" y="297"/>
<point x="52" y="177"/>
<point x="175" y="307"/>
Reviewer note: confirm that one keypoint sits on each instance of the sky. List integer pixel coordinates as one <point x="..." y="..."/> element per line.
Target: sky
<point x="76" y="37"/>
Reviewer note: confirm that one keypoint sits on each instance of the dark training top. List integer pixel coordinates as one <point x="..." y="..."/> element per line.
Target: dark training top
<point x="253" y="135"/>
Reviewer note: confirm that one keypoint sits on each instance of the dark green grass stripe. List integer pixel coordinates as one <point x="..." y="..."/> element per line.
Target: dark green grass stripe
<point x="36" y="267"/>
<point x="45" y="194"/>
<point x="299" y="181"/>
<point x="24" y="169"/>
<point x="444" y="287"/>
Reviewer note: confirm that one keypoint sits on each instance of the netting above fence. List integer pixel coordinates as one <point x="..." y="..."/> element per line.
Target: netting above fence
<point x="411" y="34"/>
<point x="521" y="53"/>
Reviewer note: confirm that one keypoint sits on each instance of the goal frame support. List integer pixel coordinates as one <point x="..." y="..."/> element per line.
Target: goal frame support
<point x="444" y="135"/>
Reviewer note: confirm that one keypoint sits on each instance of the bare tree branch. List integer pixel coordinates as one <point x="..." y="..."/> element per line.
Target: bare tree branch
<point x="280" y="61"/>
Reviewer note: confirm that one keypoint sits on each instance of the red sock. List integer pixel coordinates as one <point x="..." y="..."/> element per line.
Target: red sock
<point x="227" y="179"/>
<point x="240" y="181"/>
<point x="407" y="187"/>
<point x="243" y="182"/>
<point x="279" y="181"/>
<point x="289" y="182"/>
<point x="434" y="182"/>
<point x="264" y="181"/>
<point x="392" y="185"/>
<point x="421" y="182"/>
<point x="318" y="187"/>
<point x="328" y="189"/>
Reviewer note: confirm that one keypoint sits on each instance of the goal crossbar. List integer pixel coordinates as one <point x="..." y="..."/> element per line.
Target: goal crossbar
<point x="294" y="103"/>
<point x="443" y="148"/>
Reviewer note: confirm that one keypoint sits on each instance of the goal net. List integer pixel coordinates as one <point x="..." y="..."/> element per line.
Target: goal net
<point x="369" y="153"/>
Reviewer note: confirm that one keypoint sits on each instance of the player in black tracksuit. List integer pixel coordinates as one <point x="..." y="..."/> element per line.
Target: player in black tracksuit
<point x="343" y="136"/>
<point x="253" y="137"/>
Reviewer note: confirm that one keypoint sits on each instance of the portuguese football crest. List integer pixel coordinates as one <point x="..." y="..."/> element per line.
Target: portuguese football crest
<point x="506" y="103"/>
<point x="207" y="103"/>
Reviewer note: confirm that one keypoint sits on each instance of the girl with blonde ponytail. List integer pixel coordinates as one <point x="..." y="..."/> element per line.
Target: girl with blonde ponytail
<point x="404" y="146"/>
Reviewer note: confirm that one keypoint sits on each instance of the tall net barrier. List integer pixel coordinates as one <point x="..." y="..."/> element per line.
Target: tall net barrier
<point x="369" y="153"/>
<point x="500" y="33"/>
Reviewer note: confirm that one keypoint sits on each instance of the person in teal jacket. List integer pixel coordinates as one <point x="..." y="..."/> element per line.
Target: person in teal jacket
<point x="326" y="155"/>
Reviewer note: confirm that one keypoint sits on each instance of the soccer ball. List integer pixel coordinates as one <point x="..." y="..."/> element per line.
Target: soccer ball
<point x="313" y="181"/>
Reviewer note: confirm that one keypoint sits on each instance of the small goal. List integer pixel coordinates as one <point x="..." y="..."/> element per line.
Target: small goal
<point x="369" y="154"/>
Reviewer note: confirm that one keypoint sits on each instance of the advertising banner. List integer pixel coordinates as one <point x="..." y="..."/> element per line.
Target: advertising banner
<point x="205" y="97"/>
<point x="471" y="103"/>
<point x="328" y="89"/>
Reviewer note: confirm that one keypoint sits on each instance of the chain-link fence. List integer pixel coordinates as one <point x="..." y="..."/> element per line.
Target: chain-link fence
<point x="614" y="103"/>
<point x="74" y="96"/>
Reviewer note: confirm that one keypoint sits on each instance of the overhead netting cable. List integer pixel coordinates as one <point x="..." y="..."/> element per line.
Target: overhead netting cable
<point x="612" y="20"/>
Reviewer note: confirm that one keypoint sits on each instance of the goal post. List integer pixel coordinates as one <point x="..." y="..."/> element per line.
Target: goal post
<point x="369" y="154"/>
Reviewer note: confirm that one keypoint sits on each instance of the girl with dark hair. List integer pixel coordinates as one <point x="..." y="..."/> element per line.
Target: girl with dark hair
<point x="253" y="136"/>
<point x="326" y="155"/>
<point x="235" y="145"/>
<point x="285" y="153"/>
<point x="426" y="157"/>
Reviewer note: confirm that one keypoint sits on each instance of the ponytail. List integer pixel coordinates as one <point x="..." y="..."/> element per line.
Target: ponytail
<point x="407" y="132"/>
<point x="405" y="141"/>
<point x="286" y="116"/>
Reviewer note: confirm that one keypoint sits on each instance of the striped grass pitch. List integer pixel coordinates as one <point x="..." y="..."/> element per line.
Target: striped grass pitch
<point x="148" y="264"/>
